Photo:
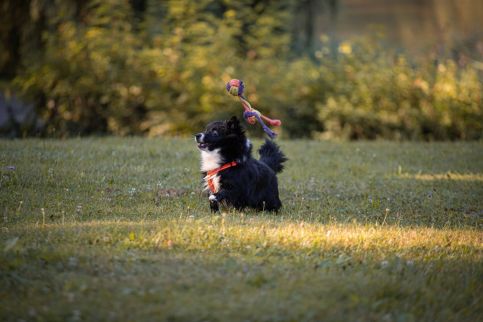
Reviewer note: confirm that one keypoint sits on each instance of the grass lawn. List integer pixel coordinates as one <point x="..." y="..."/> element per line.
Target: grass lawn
<point x="117" y="229"/>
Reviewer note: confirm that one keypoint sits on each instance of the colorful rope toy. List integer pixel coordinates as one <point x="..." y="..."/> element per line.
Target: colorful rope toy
<point x="235" y="87"/>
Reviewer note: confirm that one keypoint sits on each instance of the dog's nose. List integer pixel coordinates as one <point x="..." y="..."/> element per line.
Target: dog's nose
<point x="198" y="137"/>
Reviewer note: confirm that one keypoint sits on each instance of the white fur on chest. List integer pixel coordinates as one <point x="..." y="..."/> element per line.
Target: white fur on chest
<point x="211" y="160"/>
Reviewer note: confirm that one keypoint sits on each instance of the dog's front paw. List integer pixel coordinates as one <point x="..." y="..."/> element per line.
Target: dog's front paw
<point x="214" y="206"/>
<point x="214" y="203"/>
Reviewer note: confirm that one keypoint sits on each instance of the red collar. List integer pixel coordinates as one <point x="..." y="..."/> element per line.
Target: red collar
<point x="210" y="175"/>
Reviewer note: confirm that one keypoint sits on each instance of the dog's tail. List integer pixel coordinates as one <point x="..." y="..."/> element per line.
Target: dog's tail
<point x="271" y="155"/>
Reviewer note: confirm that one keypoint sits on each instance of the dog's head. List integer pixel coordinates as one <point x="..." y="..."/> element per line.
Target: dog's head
<point x="220" y="134"/>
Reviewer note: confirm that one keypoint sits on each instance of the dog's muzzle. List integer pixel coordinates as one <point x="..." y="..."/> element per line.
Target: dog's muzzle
<point x="200" y="139"/>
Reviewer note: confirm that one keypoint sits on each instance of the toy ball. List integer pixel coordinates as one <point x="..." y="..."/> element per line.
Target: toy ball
<point x="235" y="87"/>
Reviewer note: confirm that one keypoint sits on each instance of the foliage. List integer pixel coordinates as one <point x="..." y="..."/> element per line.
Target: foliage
<point x="370" y="231"/>
<point x="106" y="67"/>
<point x="371" y="93"/>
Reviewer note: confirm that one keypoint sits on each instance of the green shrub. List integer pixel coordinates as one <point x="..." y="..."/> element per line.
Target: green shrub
<point x="371" y="93"/>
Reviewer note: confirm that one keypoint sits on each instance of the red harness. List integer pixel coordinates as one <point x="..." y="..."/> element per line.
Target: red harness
<point x="210" y="175"/>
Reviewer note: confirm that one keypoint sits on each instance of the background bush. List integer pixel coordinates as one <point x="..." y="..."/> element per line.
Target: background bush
<point x="156" y="68"/>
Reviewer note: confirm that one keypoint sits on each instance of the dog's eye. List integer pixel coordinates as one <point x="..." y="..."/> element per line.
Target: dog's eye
<point x="214" y="133"/>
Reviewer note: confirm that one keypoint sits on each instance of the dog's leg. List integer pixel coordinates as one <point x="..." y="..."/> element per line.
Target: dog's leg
<point x="218" y="197"/>
<point x="214" y="206"/>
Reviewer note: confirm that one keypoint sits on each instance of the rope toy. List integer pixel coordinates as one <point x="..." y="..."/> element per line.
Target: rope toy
<point x="236" y="87"/>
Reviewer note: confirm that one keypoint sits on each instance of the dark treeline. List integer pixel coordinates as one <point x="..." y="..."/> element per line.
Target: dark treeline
<point x="142" y="67"/>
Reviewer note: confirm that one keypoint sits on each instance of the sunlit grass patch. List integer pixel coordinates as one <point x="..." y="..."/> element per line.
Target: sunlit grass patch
<point x="445" y="176"/>
<point x="239" y="234"/>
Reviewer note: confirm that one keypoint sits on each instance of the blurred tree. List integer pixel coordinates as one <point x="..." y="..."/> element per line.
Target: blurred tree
<point x="305" y="28"/>
<point x="15" y="16"/>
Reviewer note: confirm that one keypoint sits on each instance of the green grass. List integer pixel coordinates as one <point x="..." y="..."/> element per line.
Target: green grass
<point x="117" y="229"/>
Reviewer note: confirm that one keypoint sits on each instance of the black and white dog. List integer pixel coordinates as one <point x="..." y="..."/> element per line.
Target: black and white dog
<point x="232" y="176"/>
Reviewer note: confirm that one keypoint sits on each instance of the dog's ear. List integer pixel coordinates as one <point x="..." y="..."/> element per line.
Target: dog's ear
<point x="233" y="124"/>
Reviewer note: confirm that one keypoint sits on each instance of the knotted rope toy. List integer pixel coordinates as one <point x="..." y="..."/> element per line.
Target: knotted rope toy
<point x="236" y="87"/>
